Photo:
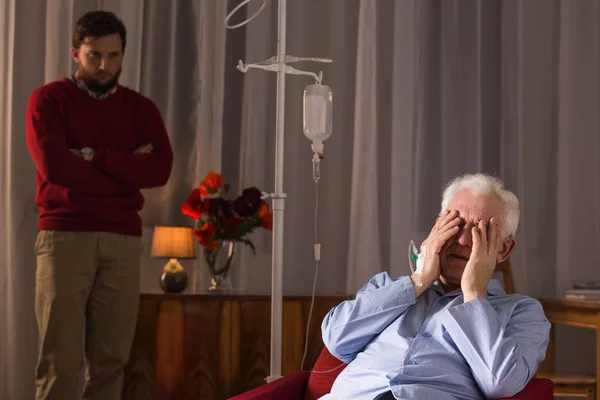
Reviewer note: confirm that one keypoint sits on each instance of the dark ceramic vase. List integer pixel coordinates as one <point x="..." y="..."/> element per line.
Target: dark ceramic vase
<point x="173" y="281"/>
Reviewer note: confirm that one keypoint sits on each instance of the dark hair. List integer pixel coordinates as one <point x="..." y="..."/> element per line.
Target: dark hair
<point x="96" y="24"/>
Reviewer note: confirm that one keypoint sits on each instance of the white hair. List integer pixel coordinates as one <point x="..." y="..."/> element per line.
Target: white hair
<point x="481" y="185"/>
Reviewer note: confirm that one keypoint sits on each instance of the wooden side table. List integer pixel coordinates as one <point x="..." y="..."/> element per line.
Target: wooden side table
<point x="214" y="346"/>
<point x="581" y="313"/>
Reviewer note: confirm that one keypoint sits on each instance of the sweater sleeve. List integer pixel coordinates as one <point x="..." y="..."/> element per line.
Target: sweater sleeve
<point x="141" y="171"/>
<point x="47" y="144"/>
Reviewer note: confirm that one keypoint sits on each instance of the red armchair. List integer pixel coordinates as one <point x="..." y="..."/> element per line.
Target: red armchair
<point x="310" y="385"/>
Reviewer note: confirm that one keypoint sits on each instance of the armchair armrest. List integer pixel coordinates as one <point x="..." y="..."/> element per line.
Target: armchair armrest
<point x="290" y="387"/>
<point x="536" y="389"/>
<point x="293" y="386"/>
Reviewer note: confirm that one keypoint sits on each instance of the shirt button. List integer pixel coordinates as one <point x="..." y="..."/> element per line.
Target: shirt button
<point x="427" y="334"/>
<point x="412" y="362"/>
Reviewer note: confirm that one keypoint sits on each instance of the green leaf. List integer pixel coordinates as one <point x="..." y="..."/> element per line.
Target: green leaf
<point x="249" y="244"/>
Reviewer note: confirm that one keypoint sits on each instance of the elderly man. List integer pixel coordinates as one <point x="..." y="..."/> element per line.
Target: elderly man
<point x="448" y="331"/>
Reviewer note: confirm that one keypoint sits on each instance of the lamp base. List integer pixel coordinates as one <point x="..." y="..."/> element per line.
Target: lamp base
<point x="174" y="278"/>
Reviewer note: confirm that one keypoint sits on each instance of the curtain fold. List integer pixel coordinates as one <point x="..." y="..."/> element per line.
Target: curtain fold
<point x="364" y="255"/>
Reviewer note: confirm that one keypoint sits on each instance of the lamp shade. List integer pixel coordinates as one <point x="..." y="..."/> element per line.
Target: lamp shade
<point x="173" y="242"/>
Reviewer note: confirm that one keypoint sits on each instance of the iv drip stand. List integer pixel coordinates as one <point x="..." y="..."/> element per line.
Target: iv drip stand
<point x="278" y="205"/>
<point x="277" y="64"/>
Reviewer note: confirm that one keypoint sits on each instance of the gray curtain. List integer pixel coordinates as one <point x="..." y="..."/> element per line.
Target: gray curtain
<point x="423" y="91"/>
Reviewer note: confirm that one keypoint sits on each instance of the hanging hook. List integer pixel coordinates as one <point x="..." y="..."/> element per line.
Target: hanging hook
<point x="243" y="3"/>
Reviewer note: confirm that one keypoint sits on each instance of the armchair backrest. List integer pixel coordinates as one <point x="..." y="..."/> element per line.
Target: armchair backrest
<point x="323" y="374"/>
<point x="507" y="277"/>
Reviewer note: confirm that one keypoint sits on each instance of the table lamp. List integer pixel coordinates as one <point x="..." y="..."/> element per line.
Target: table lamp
<point x="173" y="242"/>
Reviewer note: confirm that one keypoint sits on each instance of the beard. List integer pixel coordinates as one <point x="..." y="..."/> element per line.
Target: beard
<point x="95" y="85"/>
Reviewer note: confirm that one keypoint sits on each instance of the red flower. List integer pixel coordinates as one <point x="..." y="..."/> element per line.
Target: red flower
<point x="225" y="219"/>
<point x="267" y="222"/>
<point x="234" y="221"/>
<point x="248" y="203"/>
<point x="204" y="236"/>
<point x="210" y="184"/>
<point x="266" y="216"/>
<point x="220" y="207"/>
<point x="206" y="243"/>
<point x="195" y="206"/>
<point x="208" y="229"/>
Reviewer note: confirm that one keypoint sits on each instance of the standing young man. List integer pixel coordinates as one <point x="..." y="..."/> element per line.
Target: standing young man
<point x="95" y="145"/>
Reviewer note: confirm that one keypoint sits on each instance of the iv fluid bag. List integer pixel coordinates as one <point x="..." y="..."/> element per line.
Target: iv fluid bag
<point x="318" y="112"/>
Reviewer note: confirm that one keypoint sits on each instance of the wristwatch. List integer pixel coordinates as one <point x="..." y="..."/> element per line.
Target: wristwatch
<point x="87" y="153"/>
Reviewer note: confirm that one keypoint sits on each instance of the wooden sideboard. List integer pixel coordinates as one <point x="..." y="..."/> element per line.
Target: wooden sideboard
<point x="213" y="346"/>
<point x="583" y="314"/>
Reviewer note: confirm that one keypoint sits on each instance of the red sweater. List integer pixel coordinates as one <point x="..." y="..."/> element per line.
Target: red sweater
<point x="102" y="195"/>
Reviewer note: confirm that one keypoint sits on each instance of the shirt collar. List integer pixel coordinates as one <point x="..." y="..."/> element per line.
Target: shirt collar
<point x="494" y="288"/>
<point x="76" y="79"/>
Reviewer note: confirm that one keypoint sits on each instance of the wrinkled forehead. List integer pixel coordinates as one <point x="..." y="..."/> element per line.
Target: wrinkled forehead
<point x="473" y="208"/>
<point x="104" y="44"/>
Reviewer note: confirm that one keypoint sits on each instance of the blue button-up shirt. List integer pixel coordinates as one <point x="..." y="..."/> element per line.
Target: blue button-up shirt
<point x="437" y="346"/>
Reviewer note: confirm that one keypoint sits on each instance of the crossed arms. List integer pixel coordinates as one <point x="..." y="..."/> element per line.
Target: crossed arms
<point x="108" y="172"/>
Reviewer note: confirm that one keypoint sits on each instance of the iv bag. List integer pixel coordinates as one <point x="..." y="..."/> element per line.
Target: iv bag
<point x="318" y="112"/>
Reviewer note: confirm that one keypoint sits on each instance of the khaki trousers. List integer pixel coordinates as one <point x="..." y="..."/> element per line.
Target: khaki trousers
<point x="86" y="305"/>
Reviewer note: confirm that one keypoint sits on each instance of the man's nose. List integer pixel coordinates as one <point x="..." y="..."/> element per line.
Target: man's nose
<point x="464" y="236"/>
<point x="102" y="65"/>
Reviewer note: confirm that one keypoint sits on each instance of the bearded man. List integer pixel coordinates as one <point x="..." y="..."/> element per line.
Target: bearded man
<point x="95" y="145"/>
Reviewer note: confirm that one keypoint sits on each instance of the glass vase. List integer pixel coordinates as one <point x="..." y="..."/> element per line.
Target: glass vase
<point x="219" y="262"/>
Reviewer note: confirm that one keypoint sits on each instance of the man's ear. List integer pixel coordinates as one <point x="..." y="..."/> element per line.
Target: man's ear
<point x="507" y="247"/>
<point x="75" y="54"/>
